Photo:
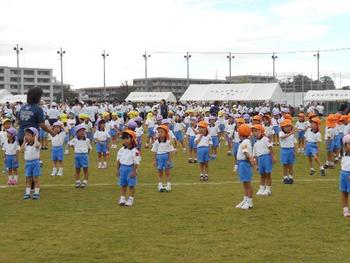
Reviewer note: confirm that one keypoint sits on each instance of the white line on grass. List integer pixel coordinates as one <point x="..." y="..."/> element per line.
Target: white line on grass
<point x="175" y="184"/>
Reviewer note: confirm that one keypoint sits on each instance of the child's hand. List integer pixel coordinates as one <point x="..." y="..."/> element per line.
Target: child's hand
<point x="133" y="174"/>
<point x="154" y="163"/>
<point x="253" y="161"/>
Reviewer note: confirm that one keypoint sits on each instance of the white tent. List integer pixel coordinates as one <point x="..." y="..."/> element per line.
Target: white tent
<point x="327" y="95"/>
<point x="13" y="98"/>
<point x="150" y="97"/>
<point x="234" y="92"/>
<point x="4" y="93"/>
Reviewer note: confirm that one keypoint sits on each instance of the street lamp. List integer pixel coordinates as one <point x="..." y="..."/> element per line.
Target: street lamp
<point x="104" y="55"/>
<point x="230" y="57"/>
<point x="273" y="64"/>
<point x="317" y="55"/>
<point x="146" y="56"/>
<point x="61" y="52"/>
<point x="18" y="49"/>
<point x="187" y="57"/>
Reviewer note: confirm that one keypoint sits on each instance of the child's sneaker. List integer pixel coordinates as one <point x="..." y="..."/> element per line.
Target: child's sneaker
<point x="77" y="184"/>
<point x="285" y="180"/>
<point x="60" y="172"/>
<point x="290" y="180"/>
<point x="312" y="171"/>
<point x="184" y="150"/>
<point x="122" y="201"/>
<point x="14" y="182"/>
<point x="9" y="182"/>
<point x="54" y="172"/>
<point x="246" y="205"/>
<point x="26" y="196"/>
<point x="267" y="192"/>
<point x="346" y="212"/>
<point x="99" y="166"/>
<point x="130" y="201"/>
<point x="168" y="187"/>
<point x="201" y="178"/>
<point x="229" y="153"/>
<point x="160" y="187"/>
<point x="104" y="165"/>
<point x="66" y="152"/>
<point x="261" y="191"/>
<point x="35" y="196"/>
<point x="195" y="161"/>
<point x="322" y="172"/>
<point x="206" y="177"/>
<point x="83" y="184"/>
<point x="241" y="204"/>
<point x="190" y="160"/>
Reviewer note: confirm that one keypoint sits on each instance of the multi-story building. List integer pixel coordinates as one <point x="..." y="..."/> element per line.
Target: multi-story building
<point x="16" y="81"/>
<point x="110" y="93"/>
<point x="251" y="79"/>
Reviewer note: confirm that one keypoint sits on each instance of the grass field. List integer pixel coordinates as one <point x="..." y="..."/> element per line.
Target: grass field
<point x="196" y="222"/>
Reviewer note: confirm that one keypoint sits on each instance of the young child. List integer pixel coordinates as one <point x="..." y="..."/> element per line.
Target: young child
<point x="82" y="147"/>
<point x="57" y="148"/>
<point x="344" y="177"/>
<point x="276" y="121"/>
<point x="179" y="127"/>
<point x="229" y="128"/>
<point x="245" y="162"/>
<point x="214" y="131"/>
<point x="71" y="122"/>
<point x="236" y="141"/>
<point x="203" y="142"/>
<point x="313" y="140"/>
<point x="287" y="153"/>
<point x="113" y="129"/>
<point x="31" y="149"/>
<point x="301" y="127"/>
<point x="163" y="150"/>
<point x="150" y="123"/>
<point x="101" y="138"/>
<point x="11" y="149"/>
<point x="263" y="152"/>
<point x="269" y="130"/>
<point x="330" y="138"/>
<point x="128" y="160"/>
<point x="139" y="132"/>
<point x="191" y="133"/>
<point x="6" y="124"/>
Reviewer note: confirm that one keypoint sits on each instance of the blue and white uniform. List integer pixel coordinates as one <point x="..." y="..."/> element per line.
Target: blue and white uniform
<point x="11" y="150"/>
<point x="261" y="150"/>
<point x="203" y="147"/>
<point x="301" y="126"/>
<point x="213" y="132"/>
<point x="178" y="131"/>
<point x="191" y="133"/>
<point x="163" y="151"/>
<point x="81" y="150"/>
<point x="287" y="153"/>
<point x="57" y="146"/>
<point x="245" y="172"/>
<point x="101" y="138"/>
<point x="344" y="177"/>
<point x="32" y="159"/>
<point x="127" y="159"/>
<point x="312" y="139"/>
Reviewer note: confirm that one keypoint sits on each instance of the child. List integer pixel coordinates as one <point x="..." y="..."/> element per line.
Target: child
<point x="263" y="152"/>
<point x="57" y="148"/>
<point x="163" y="150"/>
<point x="113" y="130"/>
<point x="301" y="126"/>
<point x="71" y="122"/>
<point x="43" y="136"/>
<point x="229" y="128"/>
<point x="313" y="140"/>
<point x="139" y="132"/>
<point x="236" y="141"/>
<point x="31" y="149"/>
<point x="191" y="133"/>
<point x="150" y="122"/>
<point x="214" y="131"/>
<point x="85" y="121"/>
<point x="269" y="130"/>
<point x="82" y="147"/>
<point x="101" y="138"/>
<point x="6" y="124"/>
<point x="330" y="138"/>
<point x="128" y="160"/>
<point x="276" y="121"/>
<point x="203" y="142"/>
<point x="287" y="154"/>
<point x="179" y="127"/>
<point x="245" y="162"/>
<point x="11" y="149"/>
<point x="344" y="177"/>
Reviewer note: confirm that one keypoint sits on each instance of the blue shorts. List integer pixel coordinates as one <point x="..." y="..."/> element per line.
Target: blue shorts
<point x="162" y="161"/>
<point x="287" y="156"/>
<point x="222" y="127"/>
<point x="301" y="134"/>
<point x="42" y="134"/>
<point x="125" y="178"/>
<point x="112" y="132"/>
<point x="139" y="142"/>
<point x="191" y="143"/>
<point x="276" y="129"/>
<point x="215" y="140"/>
<point x="203" y="154"/>
<point x="330" y="145"/>
<point x="265" y="164"/>
<point x="11" y="162"/>
<point x="32" y="168"/>
<point x="72" y="132"/>
<point x="179" y="136"/>
<point x="57" y="153"/>
<point x="253" y="140"/>
<point x="311" y="149"/>
<point x="337" y="142"/>
<point x="344" y="181"/>
<point x="66" y="139"/>
<point x="101" y="147"/>
<point x="150" y="132"/>
<point x="90" y="136"/>
<point x="121" y="127"/>
<point x="235" y="149"/>
<point x="245" y="172"/>
<point x="81" y="160"/>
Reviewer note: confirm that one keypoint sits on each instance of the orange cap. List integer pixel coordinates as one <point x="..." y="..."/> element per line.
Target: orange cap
<point x="244" y="130"/>
<point x="259" y="127"/>
<point x="286" y="122"/>
<point x="288" y="116"/>
<point x="317" y="121"/>
<point x="203" y="124"/>
<point x="166" y="129"/>
<point x="131" y="133"/>
<point x="311" y="115"/>
<point x="257" y="118"/>
<point x="344" y="118"/>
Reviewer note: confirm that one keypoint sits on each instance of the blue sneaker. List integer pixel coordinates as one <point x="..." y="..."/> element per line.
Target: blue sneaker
<point x="286" y="180"/>
<point x="26" y="196"/>
<point x="290" y="181"/>
<point x="35" y="196"/>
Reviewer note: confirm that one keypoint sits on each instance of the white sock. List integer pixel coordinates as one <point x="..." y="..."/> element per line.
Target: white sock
<point x="131" y="198"/>
<point x="77" y="181"/>
<point x="268" y="188"/>
<point x="312" y="169"/>
<point x="285" y="177"/>
<point x="345" y="209"/>
<point x="321" y="167"/>
<point x="250" y="200"/>
<point x="15" y="177"/>
<point x="60" y="170"/>
<point x="122" y="197"/>
<point x="290" y="176"/>
<point x="85" y="181"/>
<point x="28" y="190"/>
<point x="36" y="190"/>
<point x="327" y="163"/>
<point x="10" y="177"/>
<point x="168" y="184"/>
<point x="262" y="187"/>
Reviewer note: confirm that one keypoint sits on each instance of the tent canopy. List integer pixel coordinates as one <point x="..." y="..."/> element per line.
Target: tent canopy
<point x="150" y="97"/>
<point x="13" y="98"/>
<point x="327" y="95"/>
<point x="234" y="92"/>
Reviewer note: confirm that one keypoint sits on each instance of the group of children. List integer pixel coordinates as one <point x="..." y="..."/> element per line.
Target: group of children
<point x="250" y="139"/>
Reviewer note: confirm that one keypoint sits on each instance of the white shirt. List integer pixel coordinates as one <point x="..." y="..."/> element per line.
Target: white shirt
<point x="191" y="131"/>
<point x="204" y="141"/>
<point x="53" y="113"/>
<point x="286" y="142"/>
<point x="3" y="137"/>
<point x="329" y="133"/>
<point x="150" y="123"/>
<point x="139" y="131"/>
<point x="262" y="146"/>
<point x="311" y="136"/>
<point x="91" y="111"/>
<point x="244" y="147"/>
<point x="31" y="152"/>
<point x="179" y="126"/>
<point x="88" y="126"/>
<point x="213" y="130"/>
<point x="11" y="148"/>
<point x="128" y="157"/>
<point x="269" y="131"/>
<point x="81" y="146"/>
<point x="101" y="136"/>
<point x="301" y="126"/>
<point x="229" y="128"/>
<point x="345" y="163"/>
<point x="71" y="123"/>
<point x="58" y="140"/>
<point x="162" y="147"/>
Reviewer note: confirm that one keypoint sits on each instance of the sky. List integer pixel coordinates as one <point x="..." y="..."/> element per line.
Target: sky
<point x="126" y="29"/>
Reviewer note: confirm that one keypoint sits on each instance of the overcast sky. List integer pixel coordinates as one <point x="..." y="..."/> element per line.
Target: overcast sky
<point x="125" y="29"/>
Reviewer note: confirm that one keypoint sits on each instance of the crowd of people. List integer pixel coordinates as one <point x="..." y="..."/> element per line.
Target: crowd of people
<point x="250" y="135"/>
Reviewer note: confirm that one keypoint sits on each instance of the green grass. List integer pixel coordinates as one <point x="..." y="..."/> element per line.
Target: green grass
<point x="196" y="222"/>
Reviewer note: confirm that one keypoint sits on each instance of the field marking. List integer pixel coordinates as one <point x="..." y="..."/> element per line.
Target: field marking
<point x="174" y="184"/>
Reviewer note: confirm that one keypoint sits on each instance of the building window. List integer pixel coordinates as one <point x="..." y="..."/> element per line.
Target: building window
<point x="28" y="72"/>
<point x="43" y="73"/>
<point x="28" y="80"/>
<point x="13" y="71"/>
<point x="13" y="79"/>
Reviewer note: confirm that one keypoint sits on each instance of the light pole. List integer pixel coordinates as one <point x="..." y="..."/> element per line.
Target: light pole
<point x="18" y="49"/>
<point x="61" y="53"/>
<point x="273" y="65"/>
<point x="317" y="55"/>
<point x="230" y="57"/>
<point x="104" y="55"/>
<point x="146" y="56"/>
<point x="187" y="57"/>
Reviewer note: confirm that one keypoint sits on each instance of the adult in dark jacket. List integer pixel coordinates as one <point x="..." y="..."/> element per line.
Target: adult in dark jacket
<point x="163" y="109"/>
